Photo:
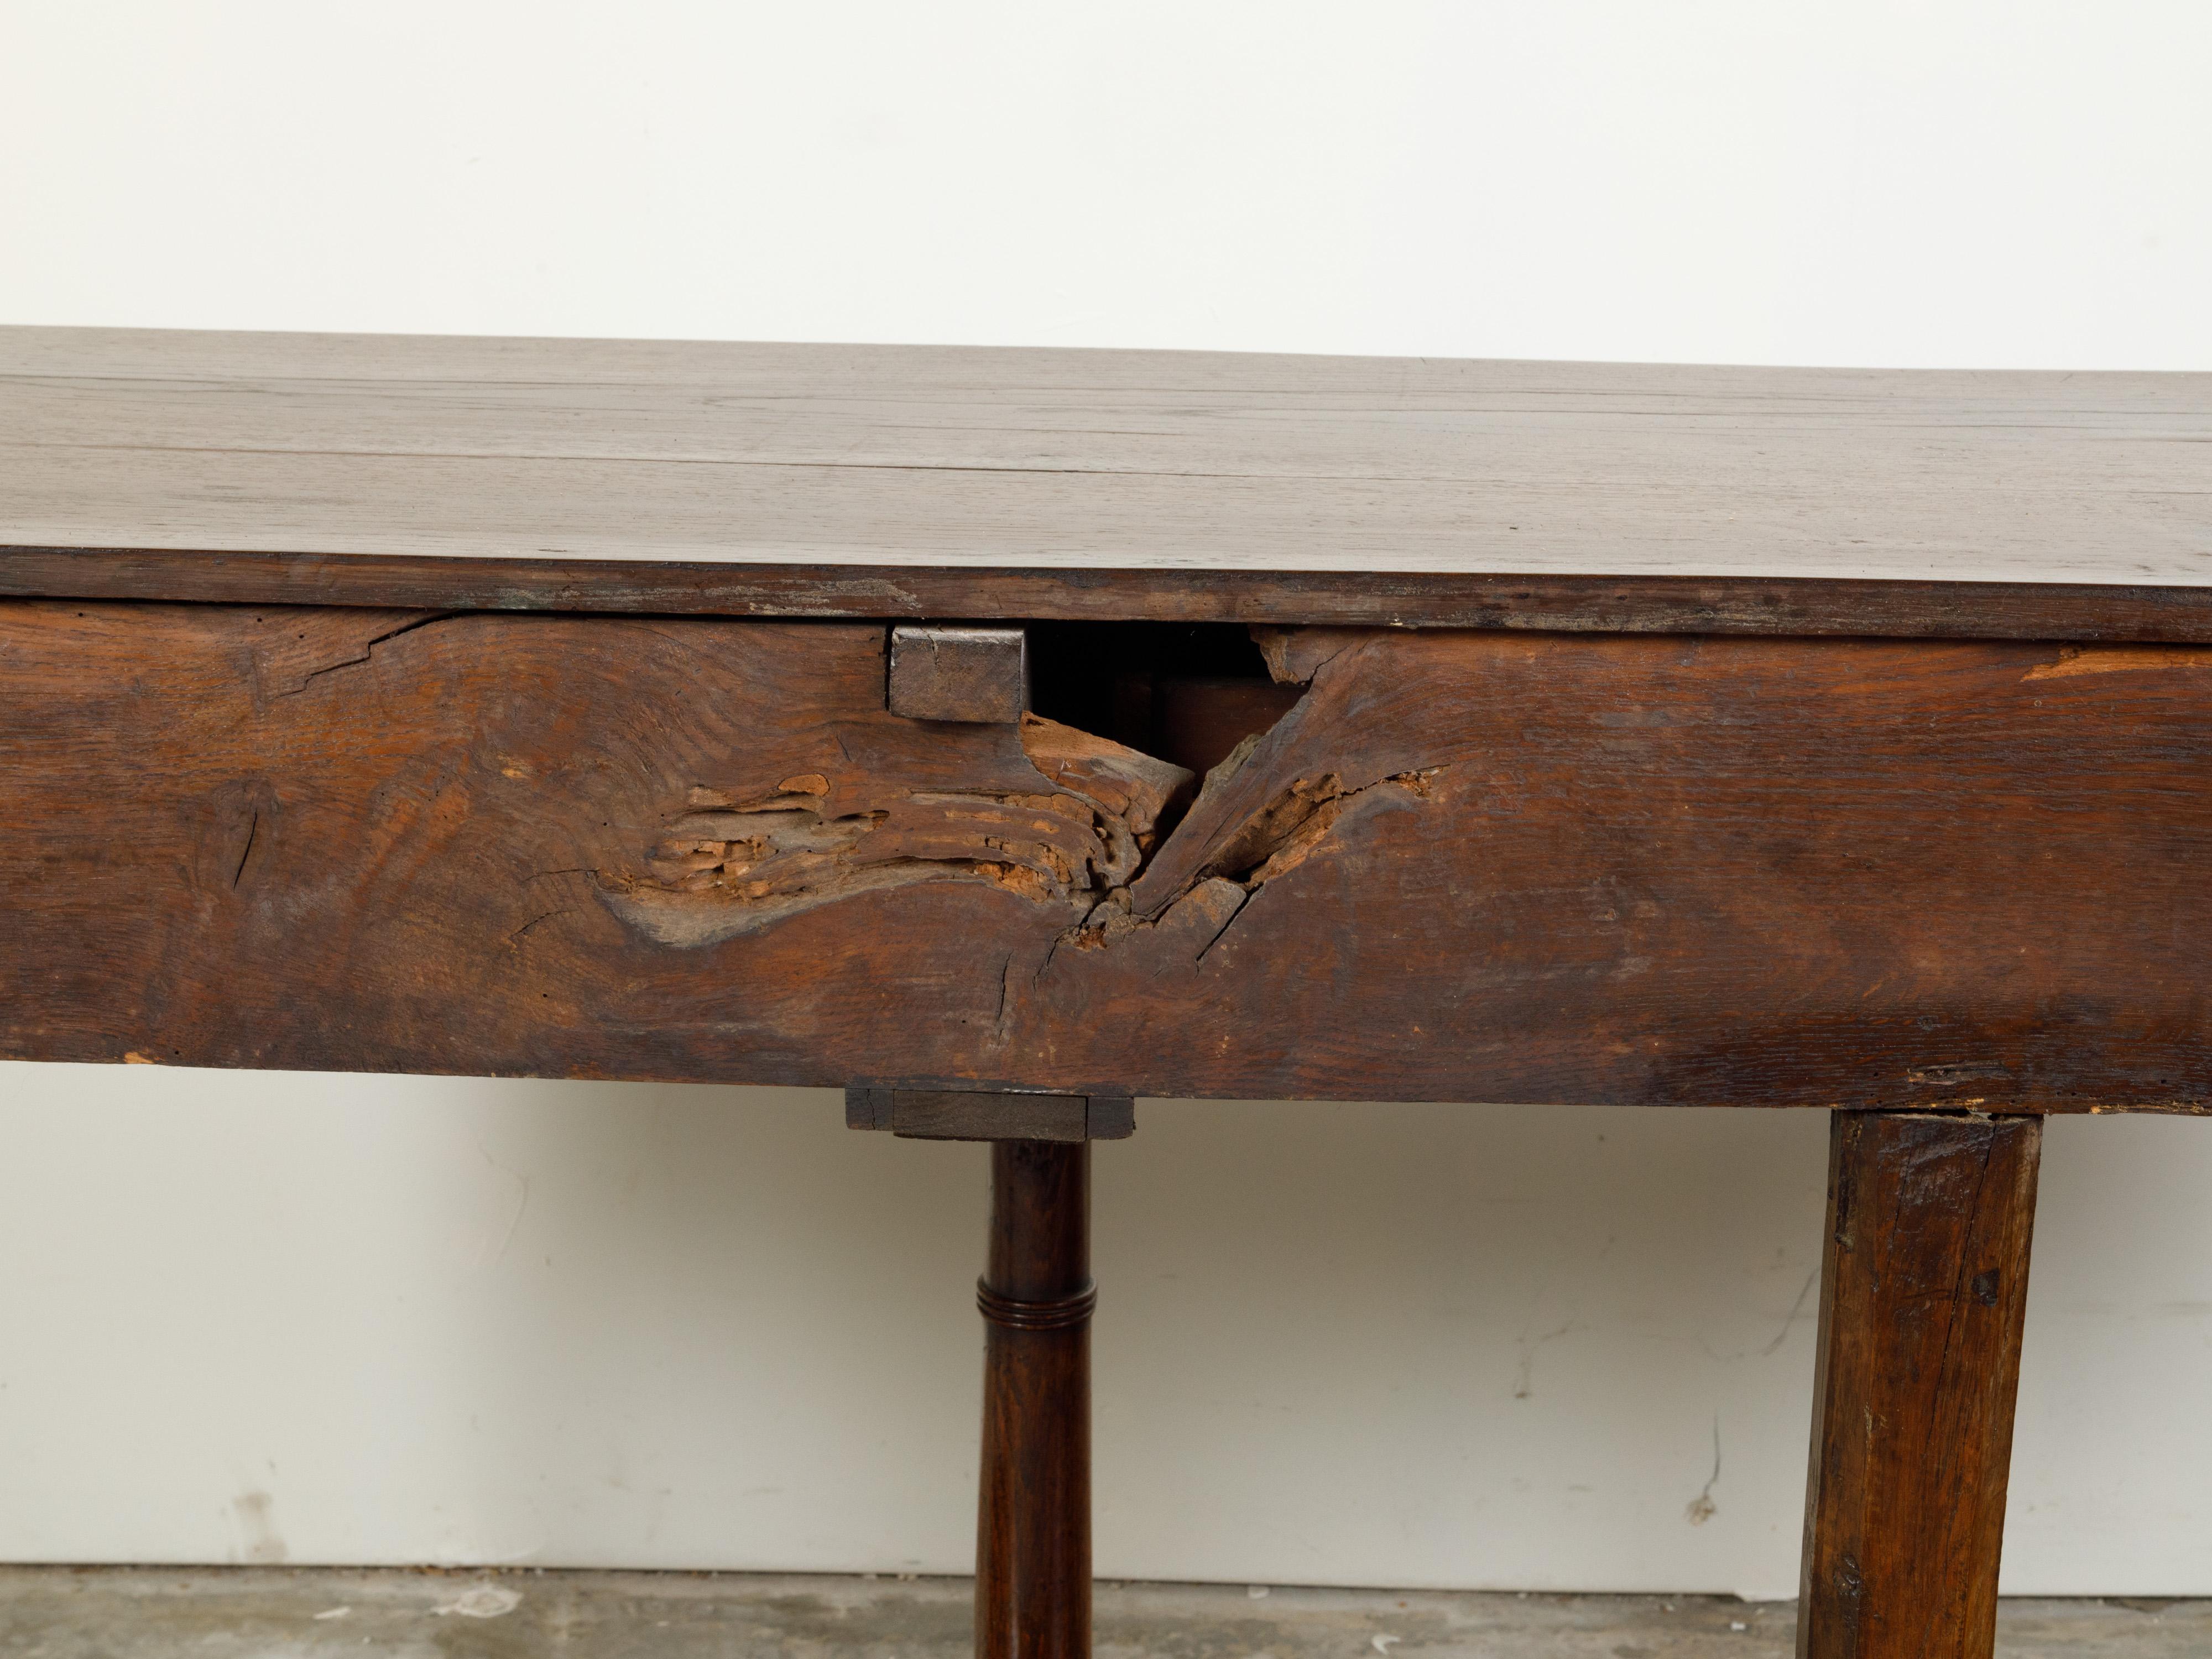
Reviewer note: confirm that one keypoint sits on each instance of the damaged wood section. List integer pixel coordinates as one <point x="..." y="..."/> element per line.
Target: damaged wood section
<point x="728" y="865"/>
<point x="1249" y="833"/>
<point x="1463" y="865"/>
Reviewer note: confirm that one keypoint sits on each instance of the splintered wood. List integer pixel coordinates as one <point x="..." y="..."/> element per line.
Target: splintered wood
<point x="729" y="865"/>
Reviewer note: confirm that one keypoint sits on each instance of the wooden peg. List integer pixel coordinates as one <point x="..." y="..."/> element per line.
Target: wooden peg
<point x="975" y="675"/>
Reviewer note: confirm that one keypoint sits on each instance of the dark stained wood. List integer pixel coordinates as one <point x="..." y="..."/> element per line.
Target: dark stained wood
<point x="959" y="673"/>
<point x="1924" y="1283"/>
<point x="959" y="1114"/>
<point x="1033" y="1520"/>
<point x="1109" y="1117"/>
<point x="1465" y="866"/>
<point x="1807" y="606"/>
<point x="867" y="1107"/>
<point x="988" y="1115"/>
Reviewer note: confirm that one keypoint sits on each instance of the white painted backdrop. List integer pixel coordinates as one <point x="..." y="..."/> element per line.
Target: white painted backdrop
<point x="353" y="1319"/>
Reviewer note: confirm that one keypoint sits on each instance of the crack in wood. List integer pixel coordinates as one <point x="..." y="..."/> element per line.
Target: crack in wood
<point x="1283" y="834"/>
<point x="365" y="651"/>
<point x="730" y="864"/>
<point x="252" y="834"/>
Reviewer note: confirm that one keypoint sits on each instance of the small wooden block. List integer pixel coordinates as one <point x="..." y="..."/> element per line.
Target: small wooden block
<point x="990" y="1115"/>
<point x="973" y="675"/>
<point x="867" y="1108"/>
<point x="1111" y="1117"/>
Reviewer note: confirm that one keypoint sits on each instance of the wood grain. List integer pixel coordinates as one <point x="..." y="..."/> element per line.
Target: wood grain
<point x="1924" y="1285"/>
<point x="538" y="455"/>
<point x="1033" y="1516"/>
<point x="1464" y="866"/>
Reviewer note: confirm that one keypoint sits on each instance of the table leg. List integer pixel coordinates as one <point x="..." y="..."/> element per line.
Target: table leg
<point x="1924" y="1281"/>
<point x="1033" y="1524"/>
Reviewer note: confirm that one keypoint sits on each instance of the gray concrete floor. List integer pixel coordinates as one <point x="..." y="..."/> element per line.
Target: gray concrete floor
<point x="276" y="1613"/>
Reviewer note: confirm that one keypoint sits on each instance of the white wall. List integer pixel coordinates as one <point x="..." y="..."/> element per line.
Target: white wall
<point x="354" y="1319"/>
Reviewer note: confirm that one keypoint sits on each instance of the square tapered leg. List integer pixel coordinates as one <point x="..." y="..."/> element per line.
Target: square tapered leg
<point x="1925" y="1281"/>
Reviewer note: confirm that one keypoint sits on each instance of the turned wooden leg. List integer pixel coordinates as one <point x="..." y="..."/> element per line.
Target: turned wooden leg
<point x="1033" y="1522"/>
<point x="1922" y="1285"/>
<point x="1033" y="1525"/>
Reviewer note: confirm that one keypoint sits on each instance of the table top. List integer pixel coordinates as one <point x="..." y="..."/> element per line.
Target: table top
<point x="832" y="479"/>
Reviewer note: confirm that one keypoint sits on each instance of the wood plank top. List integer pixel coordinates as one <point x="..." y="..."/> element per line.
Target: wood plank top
<point x="845" y="480"/>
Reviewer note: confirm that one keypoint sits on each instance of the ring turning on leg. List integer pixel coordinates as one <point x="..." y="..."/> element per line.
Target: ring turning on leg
<point x="1033" y="1524"/>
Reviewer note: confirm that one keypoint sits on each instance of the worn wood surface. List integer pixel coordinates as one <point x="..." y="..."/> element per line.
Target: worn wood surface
<point x="1464" y="865"/>
<point x="1924" y="1283"/>
<point x="1033" y="1511"/>
<point x="905" y="481"/>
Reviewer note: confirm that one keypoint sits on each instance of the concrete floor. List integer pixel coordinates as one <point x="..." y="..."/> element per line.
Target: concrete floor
<point x="274" y="1613"/>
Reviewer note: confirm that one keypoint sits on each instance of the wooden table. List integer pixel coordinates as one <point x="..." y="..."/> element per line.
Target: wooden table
<point x="1006" y="734"/>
